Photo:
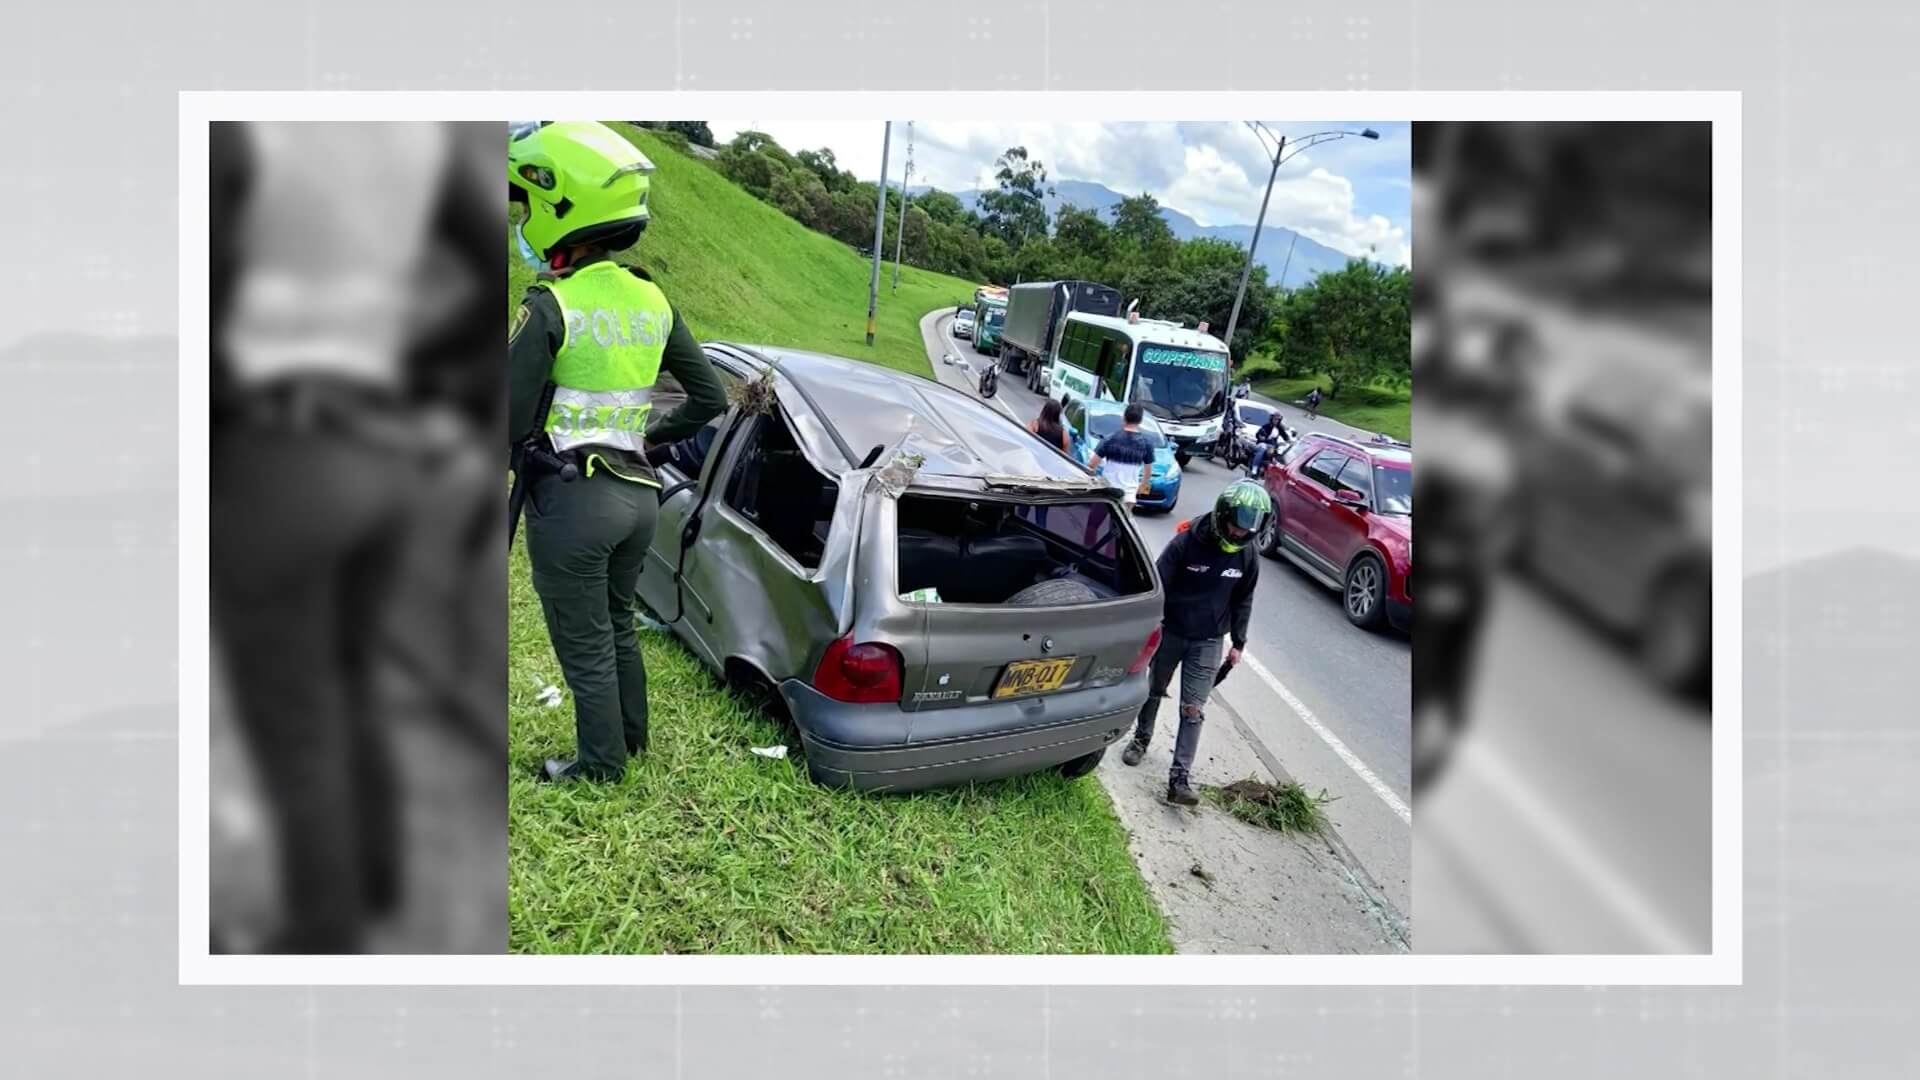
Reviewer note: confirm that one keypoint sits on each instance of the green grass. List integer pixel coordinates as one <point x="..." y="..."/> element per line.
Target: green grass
<point x="705" y="847"/>
<point x="1283" y="808"/>
<point x="1385" y="409"/>
<point x="740" y="270"/>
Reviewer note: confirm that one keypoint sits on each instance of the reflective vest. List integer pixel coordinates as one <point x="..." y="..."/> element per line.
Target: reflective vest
<point x="616" y="332"/>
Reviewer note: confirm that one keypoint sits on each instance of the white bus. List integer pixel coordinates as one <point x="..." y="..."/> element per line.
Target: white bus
<point x="1178" y="374"/>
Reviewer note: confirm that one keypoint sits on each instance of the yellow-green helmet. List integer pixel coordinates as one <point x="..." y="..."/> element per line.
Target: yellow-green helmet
<point x="581" y="184"/>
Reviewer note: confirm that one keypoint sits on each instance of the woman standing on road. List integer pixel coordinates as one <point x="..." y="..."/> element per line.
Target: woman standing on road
<point x="1050" y="429"/>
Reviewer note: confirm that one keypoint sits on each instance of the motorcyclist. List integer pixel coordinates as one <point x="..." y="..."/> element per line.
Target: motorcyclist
<point x="1269" y="438"/>
<point x="1209" y="570"/>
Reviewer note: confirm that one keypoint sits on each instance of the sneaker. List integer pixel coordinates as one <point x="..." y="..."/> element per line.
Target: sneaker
<point x="1180" y="793"/>
<point x="1134" y="752"/>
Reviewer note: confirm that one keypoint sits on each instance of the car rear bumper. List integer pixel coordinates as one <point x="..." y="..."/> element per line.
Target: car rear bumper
<point x="884" y="747"/>
<point x="1160" y="497"/>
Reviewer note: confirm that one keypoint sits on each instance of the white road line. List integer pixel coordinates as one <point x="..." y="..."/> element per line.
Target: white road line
<point x="1394" y="802"/>
<point x="1537" y="813"/>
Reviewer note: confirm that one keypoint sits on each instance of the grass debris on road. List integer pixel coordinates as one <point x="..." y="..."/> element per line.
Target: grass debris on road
<point x="1284" y="807"/>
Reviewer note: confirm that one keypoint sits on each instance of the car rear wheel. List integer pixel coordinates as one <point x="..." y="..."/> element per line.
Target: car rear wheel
<point x="1081" y="766"/>
<point x="1364" y="594"/>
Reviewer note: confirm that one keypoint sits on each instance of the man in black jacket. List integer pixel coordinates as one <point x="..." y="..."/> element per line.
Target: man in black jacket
<point x="1208" y="571"/>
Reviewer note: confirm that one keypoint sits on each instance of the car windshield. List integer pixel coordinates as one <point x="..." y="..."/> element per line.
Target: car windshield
<point x="1393" y="490"/>
<point x="995" y="316"/>
<point x="1256" y="415"/>
<point x="1181" y="384"/>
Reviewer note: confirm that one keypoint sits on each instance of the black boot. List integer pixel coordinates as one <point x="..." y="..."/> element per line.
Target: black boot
<point x="1134" y="752"/>
<point x="1180" y="793"/>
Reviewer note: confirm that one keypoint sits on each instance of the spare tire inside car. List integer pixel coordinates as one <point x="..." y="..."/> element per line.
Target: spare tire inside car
<point x="1053" y="592"/>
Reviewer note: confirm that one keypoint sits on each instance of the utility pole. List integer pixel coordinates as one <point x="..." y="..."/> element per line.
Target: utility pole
<point x="1288" y="262"/>
<point x="879" y="233"/>
<point x="900" y="232"/>
<point x="1253" y="245"/>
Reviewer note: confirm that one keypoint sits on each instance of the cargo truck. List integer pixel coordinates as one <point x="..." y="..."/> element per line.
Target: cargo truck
<point x="1035" y="312"/>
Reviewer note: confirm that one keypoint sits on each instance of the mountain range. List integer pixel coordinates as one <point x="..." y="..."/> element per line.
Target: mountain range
<point x="1309" y="257"/>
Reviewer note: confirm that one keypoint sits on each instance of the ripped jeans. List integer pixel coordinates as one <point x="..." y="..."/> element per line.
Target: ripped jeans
<point x="1198" y="659"/>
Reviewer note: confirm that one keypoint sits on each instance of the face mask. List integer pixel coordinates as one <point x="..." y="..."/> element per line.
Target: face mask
<point x="526" y="250"/>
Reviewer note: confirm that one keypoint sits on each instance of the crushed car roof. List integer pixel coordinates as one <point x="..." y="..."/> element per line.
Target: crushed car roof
<point x="870" y="407"/>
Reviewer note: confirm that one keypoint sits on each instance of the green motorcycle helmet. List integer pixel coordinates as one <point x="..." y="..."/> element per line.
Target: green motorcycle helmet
<point x="581" y="183"/>
<point x="1241" y="514"/>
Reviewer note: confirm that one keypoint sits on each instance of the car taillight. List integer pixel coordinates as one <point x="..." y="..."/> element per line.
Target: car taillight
<point x="863" y="674"/>
<point x="1146" y="653"/>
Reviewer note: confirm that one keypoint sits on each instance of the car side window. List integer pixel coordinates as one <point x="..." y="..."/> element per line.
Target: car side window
<point x="1076" y="418"/>
<point x="777" y="489"/>
<point x="1358" y="475"/>
<point x="1324" y="467"/>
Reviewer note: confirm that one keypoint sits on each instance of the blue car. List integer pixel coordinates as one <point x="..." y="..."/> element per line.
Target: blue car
<point x="1090" y="422"/>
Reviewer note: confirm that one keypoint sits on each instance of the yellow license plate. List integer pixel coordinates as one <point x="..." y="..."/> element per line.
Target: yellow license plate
<point x="1033" y="676"/>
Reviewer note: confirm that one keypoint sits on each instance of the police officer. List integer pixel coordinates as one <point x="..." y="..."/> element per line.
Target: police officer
<point x="1208" y="570"/>
<point x="601" y="332"/>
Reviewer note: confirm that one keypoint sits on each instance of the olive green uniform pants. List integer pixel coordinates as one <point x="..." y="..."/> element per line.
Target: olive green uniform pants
<point x="587" y="542"/>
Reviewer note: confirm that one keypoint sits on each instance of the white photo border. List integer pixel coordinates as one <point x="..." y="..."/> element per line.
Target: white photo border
<point x="1721" y="967"/>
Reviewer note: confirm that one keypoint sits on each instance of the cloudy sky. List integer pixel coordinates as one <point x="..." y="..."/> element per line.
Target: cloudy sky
<point x="1349" y="194"/>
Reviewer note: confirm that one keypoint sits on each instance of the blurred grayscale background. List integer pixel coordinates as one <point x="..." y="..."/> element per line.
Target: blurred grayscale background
<point x="88" y="826"/>
<point x="1563" y="411"/>
<point x="359" y="723"/>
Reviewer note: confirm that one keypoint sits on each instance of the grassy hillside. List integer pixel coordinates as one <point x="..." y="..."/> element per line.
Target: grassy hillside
<point x="740" y="270"/>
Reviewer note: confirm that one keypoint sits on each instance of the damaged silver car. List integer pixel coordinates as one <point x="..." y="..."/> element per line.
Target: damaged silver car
<point x="934" y="594"/>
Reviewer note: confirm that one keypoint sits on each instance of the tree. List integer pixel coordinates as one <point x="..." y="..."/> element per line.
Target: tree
<point x="1351" y="325"/>
<point x="942" y="207"/>
<point x="1080" y="235"/>
<point x="800" y="194"/>
<point x="1138" y="221"/>
<point x="694" y="131"/>
<point x="1016" y="210"/>
<point x="821" y="163"/>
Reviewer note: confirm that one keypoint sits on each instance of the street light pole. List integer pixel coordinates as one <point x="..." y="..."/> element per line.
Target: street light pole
<point x="879" y="233"/>
<point x="900" y="231"/>
<point x="1253" y="244"/>
<point x="1246" y="272"/>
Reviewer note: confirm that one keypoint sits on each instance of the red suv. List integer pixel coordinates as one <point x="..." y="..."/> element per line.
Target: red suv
<point x="1343" y="512"/>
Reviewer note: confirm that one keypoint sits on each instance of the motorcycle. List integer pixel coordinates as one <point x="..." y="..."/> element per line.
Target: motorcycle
<point x="990" y="380"/>
<point x="1231" y="448"/>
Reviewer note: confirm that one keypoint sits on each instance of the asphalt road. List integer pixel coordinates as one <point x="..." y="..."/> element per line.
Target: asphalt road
<point x="1355" y="685"/>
